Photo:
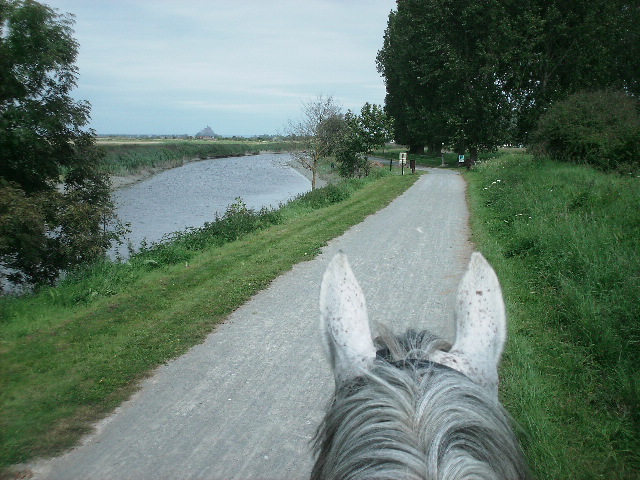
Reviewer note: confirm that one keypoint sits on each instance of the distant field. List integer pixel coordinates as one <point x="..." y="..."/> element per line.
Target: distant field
<point x="129" y="156"/>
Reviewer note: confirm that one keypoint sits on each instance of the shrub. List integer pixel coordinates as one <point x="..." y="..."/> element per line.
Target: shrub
<point x="237" y="222"/>
<point x="597" y="128"/>
<point x="325" y="196"/>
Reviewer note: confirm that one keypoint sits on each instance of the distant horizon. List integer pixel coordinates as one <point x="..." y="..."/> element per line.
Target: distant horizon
<point x="166" y="66"/>
<point x="185" y="134"/>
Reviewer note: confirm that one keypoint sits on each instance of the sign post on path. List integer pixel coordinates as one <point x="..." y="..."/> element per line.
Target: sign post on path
<point x="403" y="161"/>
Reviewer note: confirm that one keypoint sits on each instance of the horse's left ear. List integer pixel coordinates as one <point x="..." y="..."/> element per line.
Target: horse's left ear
<point x="343" y="314"/>
<point x="481" y="326"/>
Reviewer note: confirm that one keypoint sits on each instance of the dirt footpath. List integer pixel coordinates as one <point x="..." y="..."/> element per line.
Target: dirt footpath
<point x="246" y="402"/>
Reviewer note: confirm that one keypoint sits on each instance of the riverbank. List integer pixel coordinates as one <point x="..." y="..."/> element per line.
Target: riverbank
<point x="194" y="194"/>
<point x="123" y="181"/>
<point x="74" y="352"/>
<point x="130" y="162"/>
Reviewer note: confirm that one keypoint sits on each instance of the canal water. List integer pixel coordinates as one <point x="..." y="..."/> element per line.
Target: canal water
<point x="191" y="195"/>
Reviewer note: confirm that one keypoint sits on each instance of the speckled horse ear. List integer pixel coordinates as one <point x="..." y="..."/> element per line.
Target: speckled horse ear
<point x="345" y="323"/>
<point x="481" y="326"/>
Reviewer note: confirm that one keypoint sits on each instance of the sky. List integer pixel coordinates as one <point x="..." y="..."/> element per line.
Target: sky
<point x="243" y="67"/>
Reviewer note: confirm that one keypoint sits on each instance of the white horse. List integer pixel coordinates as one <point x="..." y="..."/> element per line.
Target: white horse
<point x="415" y="407"/>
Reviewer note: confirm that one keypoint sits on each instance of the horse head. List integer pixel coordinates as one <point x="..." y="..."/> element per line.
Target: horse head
<point x="414" y="406"/>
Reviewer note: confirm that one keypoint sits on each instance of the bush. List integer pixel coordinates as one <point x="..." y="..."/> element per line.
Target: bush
<point x="237" y="222"/>
<point x="597" y="128"/>
<point x="325" y="196"/>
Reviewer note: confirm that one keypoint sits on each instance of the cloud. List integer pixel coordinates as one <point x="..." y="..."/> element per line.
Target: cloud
<point x="225" y="58"/>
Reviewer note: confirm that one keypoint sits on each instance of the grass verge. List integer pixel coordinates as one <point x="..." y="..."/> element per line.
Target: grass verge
<point x="564" y="241"/>
<point x="71" y="354"/>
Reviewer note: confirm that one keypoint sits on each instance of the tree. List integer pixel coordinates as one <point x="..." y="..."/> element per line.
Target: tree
<point x="360" y="135"/>
<point x="351" y="150"/>
<point x="404" y="101"/>
<point x="374" y="126"/>
<point x="474" y="75"/>
<point x="444" y="63"/>
<point x="54" y="202"/>
<point x="598" y="128"/>
<point x="319" y="129"/>
<point x="570" y="47"/>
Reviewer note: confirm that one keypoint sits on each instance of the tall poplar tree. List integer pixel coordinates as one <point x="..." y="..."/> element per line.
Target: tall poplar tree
<point x="476" y="74"/>
<point x="444" y="64"/>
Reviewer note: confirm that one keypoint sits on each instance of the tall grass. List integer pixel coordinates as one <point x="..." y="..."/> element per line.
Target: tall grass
<point x="565" y="242"/>
<point x="122" y="159"/>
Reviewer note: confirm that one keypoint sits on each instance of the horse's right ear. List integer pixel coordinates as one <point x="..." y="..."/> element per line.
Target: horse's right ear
<point x="343" y="314"/>
<point x="481" y="326"/>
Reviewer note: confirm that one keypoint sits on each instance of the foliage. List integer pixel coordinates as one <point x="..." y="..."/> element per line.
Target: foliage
<point x="564" y="242"/>
<point x="444" y="65"/>
<point x="237" y="222"/>
<point x="599" y="128"/>
<point x="475" y="75"/>
<point x="568" y="47"/>
<point x="46" y="227"/>
<point x="131" y="158"/>
<point x="325" y="196"/>
<point x="373" y="126"/>
<point x="360" y="136"/>
<point x="71" y="353"/>
<point x="319" y="131"/>
<point x="351" y="153"/>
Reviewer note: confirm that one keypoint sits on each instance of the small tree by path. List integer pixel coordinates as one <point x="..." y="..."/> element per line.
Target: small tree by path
<point x="319" y="130"/>
<point x="362" y="134"/>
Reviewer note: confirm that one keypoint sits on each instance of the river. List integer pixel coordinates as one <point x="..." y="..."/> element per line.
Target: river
<point x="191" y="195"/>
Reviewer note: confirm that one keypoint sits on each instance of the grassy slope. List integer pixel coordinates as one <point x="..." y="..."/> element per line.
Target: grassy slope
<point x="564" y="242"/>
<point x="63" y="367"/>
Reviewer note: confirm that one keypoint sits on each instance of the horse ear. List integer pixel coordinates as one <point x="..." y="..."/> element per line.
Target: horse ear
<point x="481" y="326"/>
<point x="343" y="314"/>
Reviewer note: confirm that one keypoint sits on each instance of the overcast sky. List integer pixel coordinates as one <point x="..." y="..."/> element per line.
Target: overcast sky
<point x="241" y="66"/>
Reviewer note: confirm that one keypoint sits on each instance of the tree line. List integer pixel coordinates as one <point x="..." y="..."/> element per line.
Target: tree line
<point x="474" y="75"/>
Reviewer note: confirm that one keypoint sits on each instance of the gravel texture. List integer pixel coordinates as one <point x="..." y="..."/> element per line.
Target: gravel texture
<point x="245" y="403"/>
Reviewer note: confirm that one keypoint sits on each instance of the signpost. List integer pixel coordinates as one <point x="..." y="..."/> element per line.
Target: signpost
<point x="403" y="161"/>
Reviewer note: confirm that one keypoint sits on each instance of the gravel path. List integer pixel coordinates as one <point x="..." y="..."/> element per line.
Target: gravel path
<point x="245" y="403"/>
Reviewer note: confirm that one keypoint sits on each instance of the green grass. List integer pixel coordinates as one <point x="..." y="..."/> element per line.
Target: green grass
<point x="564" y="241"/>
<point x="71" y="354"/>
<point x="450" y="159"/>
<point x="562" y="238"/>
<point x="131" y="157"/>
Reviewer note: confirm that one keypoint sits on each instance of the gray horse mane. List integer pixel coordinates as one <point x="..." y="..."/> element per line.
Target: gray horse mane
<point x="409" y="418"/>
